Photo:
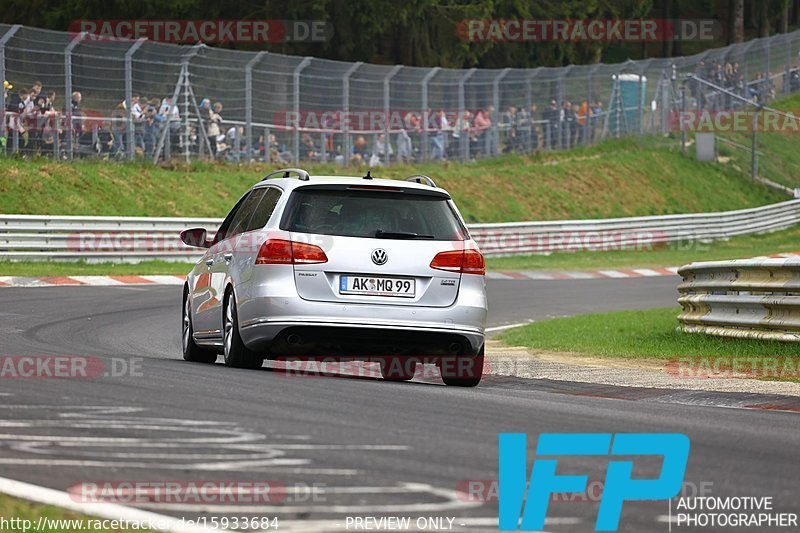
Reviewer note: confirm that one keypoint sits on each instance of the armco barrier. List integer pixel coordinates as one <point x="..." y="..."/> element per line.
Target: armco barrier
<point x="632" y="233"/>
<point x="131" y="239"/>
<point x="747" y="298"/>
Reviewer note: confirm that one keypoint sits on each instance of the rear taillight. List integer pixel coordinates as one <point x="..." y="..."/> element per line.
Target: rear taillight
<point x="283" y="252"/>
<point x="461" y="261"/>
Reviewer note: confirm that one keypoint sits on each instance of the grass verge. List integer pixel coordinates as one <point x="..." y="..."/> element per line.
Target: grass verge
<point x="616" y="178"/>
<point x="52" y="268"/>
<point x="652" y="335"/>
<point x="14" y="508"/>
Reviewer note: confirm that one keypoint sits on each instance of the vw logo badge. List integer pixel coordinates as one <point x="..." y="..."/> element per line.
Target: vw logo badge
<point x="379" y="256"/>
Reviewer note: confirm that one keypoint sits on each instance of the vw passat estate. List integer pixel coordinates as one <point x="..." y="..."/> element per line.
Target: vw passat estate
<point x="357" y="268"/>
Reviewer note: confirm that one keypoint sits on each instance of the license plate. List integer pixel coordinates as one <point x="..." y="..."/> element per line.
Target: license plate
<point x="377" y="286"/>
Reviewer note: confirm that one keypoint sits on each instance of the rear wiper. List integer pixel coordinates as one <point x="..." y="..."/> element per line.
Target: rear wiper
<point x="380" y="234"/>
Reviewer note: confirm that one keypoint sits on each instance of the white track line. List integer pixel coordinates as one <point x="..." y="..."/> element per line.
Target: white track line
<point x="507" y="326"/>
<point x="110" y="511"/>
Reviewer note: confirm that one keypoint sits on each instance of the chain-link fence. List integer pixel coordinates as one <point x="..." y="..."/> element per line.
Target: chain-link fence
<point x="141" y="99"/>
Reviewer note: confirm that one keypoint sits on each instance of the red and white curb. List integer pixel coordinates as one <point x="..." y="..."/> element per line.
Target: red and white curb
<point x="97" y="281"/>
<point x="585" y="274"/>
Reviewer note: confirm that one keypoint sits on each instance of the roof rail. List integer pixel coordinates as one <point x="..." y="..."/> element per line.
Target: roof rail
<point x="419" y="178"/>
<point x="302" y="175"/>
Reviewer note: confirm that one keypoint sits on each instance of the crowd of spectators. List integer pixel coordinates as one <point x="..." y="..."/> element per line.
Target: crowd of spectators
<point x="36" y="121"/>
<point x="729" y="76"/>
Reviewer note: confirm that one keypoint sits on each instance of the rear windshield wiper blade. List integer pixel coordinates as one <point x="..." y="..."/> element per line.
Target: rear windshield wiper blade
<point x="380" y="234"/>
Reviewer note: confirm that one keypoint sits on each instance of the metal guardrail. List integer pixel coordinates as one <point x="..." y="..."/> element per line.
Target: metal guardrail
<point x="97" y="239"/>
<point x="131" y="239"/>
<point x="632" y="233"/>
<point x="746" y="298"/>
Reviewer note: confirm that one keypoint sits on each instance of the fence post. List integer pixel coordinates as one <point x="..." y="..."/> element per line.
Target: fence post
<point x="296" y="107"/>
<point x="68" y="89"/>
<point x="562" y="97"/>
<point x="129" y="94"/>
<point x="588" y="131"/>
<point x="683" y="112"/>
<point x="754" y="162"/>
<point x="424" y="119"/>
<point x="531" y="119"/>
<point x="787" y="85"/>
<point x="248" y="104"/>
<point x="496" y="103"/>
<point x="3" y="40"/>
<point x="185" y="63"/>
<point x="347" y="142"/>
<point x="387" y="109"/>
<point x="463" y="136"/>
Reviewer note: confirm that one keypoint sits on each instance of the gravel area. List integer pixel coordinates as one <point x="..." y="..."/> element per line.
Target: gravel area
<point x="520" y="362"/>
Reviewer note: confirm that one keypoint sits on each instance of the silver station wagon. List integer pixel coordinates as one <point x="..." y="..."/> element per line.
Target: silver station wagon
<point x="354" y="268"/>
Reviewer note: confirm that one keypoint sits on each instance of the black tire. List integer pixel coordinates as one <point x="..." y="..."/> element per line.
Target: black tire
<point x="237" y="355"/>
<point x="398" y="368"/>
<point x="463" y="371"/>
<point x="191" y="351"/>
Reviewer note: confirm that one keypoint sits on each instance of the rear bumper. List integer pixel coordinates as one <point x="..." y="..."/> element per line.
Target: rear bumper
<point x="270" y="310"/>
<point x="265" y="323"/>
<point x="323" y="336"/>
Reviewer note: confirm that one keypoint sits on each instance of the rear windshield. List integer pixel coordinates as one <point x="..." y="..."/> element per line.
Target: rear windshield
<point x="382" y="214"/>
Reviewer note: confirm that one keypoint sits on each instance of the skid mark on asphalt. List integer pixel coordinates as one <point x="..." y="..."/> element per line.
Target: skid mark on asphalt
<point x="86" y="443"/>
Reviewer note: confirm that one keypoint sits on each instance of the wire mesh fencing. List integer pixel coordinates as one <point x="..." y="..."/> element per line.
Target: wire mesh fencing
<point x="77" y="96"/>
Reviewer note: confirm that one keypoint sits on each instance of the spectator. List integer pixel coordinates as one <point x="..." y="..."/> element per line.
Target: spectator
<point x="360" y="152"/>
<point x="151" y="128"/>
<point x="507" y="124"/>
<point x="483" y="122"/>
<point x="173" y="120"/>
<point x="234" y="138"/>
<point x="213" y="131"/>
<point x="307" y="151"/>
<point x="440" y="126"/>
<point x="382" y="151"/>
<point x="551" y="114"/>
<point x="405" y="148"/>
<point x="137" y="116"/>
<point x="567" y="120"/>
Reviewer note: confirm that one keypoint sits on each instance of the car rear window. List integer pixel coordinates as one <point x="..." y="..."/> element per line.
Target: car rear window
<point x="365" y="213"/>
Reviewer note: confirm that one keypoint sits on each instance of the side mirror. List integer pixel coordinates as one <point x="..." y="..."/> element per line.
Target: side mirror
<point x="194" y="237"/>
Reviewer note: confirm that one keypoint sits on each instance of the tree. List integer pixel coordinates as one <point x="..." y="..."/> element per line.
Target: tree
<point x="735" y="21"/>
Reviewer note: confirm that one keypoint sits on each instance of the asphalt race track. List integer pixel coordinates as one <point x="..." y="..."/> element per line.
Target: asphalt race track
<point x="341" y="446"/>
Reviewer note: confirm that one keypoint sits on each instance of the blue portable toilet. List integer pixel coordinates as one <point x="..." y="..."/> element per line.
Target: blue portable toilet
<point x="628" y="98"/>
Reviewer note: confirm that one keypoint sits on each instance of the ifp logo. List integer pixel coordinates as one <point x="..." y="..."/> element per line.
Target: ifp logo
<point x="618" y="486"/>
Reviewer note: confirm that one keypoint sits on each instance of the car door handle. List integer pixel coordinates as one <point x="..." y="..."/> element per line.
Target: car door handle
<point x="228" y="257"/>
<point x="210" y="262"/>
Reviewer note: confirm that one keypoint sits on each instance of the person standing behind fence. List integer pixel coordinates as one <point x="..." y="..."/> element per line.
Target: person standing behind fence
<point x="440" y="126"/>
<point x="404" y="147"/>
<point x="213" y="131"/>
<point x="137" y="116"/>
<point x="483" y="122"/>
<point x="381" y="151"/>
<point x="173" y="119"/>
<point x="151" y="128"/>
